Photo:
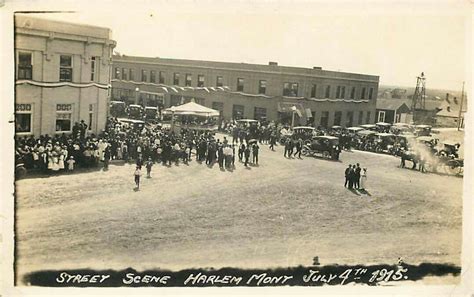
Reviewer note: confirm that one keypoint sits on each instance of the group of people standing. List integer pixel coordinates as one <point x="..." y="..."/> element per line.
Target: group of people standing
<point x="356" y="177"/>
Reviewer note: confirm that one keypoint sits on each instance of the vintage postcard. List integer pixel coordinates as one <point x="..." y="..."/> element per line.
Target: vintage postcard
<point x="291" y="146"/>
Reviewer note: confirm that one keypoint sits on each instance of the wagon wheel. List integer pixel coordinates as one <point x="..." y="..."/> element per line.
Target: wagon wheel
<point x="304" y="151"/>
<point x="453" y="167"/>
<point x="431" y="166"/>
<point x="326" y="154"/>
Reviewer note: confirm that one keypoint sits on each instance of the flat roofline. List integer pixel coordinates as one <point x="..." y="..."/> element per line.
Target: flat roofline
<point x="264" y="67"/>
<point x="45" y="24"/>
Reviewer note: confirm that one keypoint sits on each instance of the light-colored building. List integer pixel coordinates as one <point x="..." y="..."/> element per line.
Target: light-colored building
<point x="62" y="76"/>
<point x="240" y="90"/>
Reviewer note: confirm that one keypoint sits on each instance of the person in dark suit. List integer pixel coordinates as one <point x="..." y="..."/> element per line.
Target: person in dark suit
<point x="357" y="176"/>
<point x="346" y="173"/>
<point x="247" y="155"/>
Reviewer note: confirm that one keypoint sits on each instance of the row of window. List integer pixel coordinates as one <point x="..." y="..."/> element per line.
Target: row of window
<point x="25" y="67"/>
<point x="63" y="121"/>
<point x="290" y="89"/>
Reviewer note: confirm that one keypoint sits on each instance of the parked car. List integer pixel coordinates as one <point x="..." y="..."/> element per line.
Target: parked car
<point x="327" y="146"/>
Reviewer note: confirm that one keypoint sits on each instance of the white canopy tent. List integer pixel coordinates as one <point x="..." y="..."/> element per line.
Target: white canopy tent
<point x="192" y="108"/>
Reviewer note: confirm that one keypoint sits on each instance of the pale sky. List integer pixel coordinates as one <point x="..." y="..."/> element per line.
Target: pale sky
<point x="395" y="40"/>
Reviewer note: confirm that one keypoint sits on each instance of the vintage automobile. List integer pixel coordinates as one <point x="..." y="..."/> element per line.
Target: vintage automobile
<point x="135" y="112"/>
<point x="135" y="124"/>
<point x="422" y="130"/>
<point x="304" y="132"/>
<point x="370" y="127"/>
<point x="383" y="127"/>
<point x="354" y="130"/>
<point x="118" y="109"/>
<point x="151" y="114"/>
<point x="449" y="157"/>
<point x="366" y="140"/>
<point x="400" y="128"/>
<point x="402" y="143"/>
<point x="385" y="143"/>
<point x="325" y="145"/>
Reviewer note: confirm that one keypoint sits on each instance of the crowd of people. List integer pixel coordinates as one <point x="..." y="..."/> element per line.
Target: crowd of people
<point x="129" y="142"/>
<point x="355" y="177"/>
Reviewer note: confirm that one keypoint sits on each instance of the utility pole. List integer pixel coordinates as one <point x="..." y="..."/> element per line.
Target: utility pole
<point x="460" y="108"/>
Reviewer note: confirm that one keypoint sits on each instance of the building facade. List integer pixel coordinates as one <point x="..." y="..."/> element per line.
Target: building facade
<point x="393" y="111"/>
<point x="62" y="76"/>
<point x="316" y="97"/>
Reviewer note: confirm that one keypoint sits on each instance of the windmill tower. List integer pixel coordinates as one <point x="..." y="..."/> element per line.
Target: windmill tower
<point x="418" y="101"/>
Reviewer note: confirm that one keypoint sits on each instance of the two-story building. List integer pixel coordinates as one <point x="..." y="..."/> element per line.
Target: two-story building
<point x="240" y="90"/>
<point x="62" y="76"/>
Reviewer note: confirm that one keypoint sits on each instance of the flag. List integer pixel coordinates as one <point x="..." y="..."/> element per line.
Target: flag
<point x="221" y="88"/>
<point x="182" y="89"/>
<point x="206" y="89"/>
<point x="174" y="89"/>
<point x="212" y="88"/>
<point x="165" y="89"/>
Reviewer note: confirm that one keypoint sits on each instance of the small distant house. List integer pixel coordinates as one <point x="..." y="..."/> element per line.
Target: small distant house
<point x="393" y="110"/>
<point x="448" y="116"/>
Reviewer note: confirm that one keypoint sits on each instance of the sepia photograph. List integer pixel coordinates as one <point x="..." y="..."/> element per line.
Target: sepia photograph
<point x="251" y="144"/>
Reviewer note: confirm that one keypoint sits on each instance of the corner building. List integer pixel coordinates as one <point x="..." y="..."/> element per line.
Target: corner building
<point x="62" y="76"/>
<point x="239" y="90"/>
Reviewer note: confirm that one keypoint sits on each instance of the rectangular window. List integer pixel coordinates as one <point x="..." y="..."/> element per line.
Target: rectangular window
<point x="367" y="120"/>
<point x="91" y="116"/>
<point x="117" y="73"/>
<point x="132" y="74"/>
<point x="65" y="68"/>
<point x="218" y="106"/>
<point x="260" y="113"/>
<point x="63" y="117"/>
<point x="240" y="85"/>
<point x="338" y="92"/>
<point x="371" y="93"/>
<point x="362" y="93"/>
<point x="328" y="92"/>
<point x="353" y="92"/>
<point x="381" y="116"/>
<point x="262" y="87"/>
<point x="349" y="118"/>
<point x="337" y="118"/>
<point x="161" y="78"/>
<point x="237" y="112"/>
<point x="343" y="92"/>
<point x="188" y="80"/>
<point x="219" y="81"/>
<point x="290" y="89"/>
<point x="144" y="75"/>
<point x="361" y="115"/>
<point x="200" y="80"/>
<point x="176" y="79"/>
<point x="94" y="66"/>
<point x="25" y="66"/>
<point x="124" y="74"/>
<point x="152" y="76"/>
<point x="324" y="119"/>
<point x="313" y="91"/>
<point x="23" y="118"/>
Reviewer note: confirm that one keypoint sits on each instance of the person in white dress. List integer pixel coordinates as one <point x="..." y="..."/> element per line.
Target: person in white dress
<point x="363" y="179"/>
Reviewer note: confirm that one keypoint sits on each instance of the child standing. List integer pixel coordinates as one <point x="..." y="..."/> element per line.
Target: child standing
<point x="70" y="163"/>
<point x="137" y="175"/>
<point x="148" y="166"/>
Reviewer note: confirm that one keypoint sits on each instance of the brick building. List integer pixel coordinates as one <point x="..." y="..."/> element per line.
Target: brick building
<point x="240" y="90"/>
<point x="62" y="76"/>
